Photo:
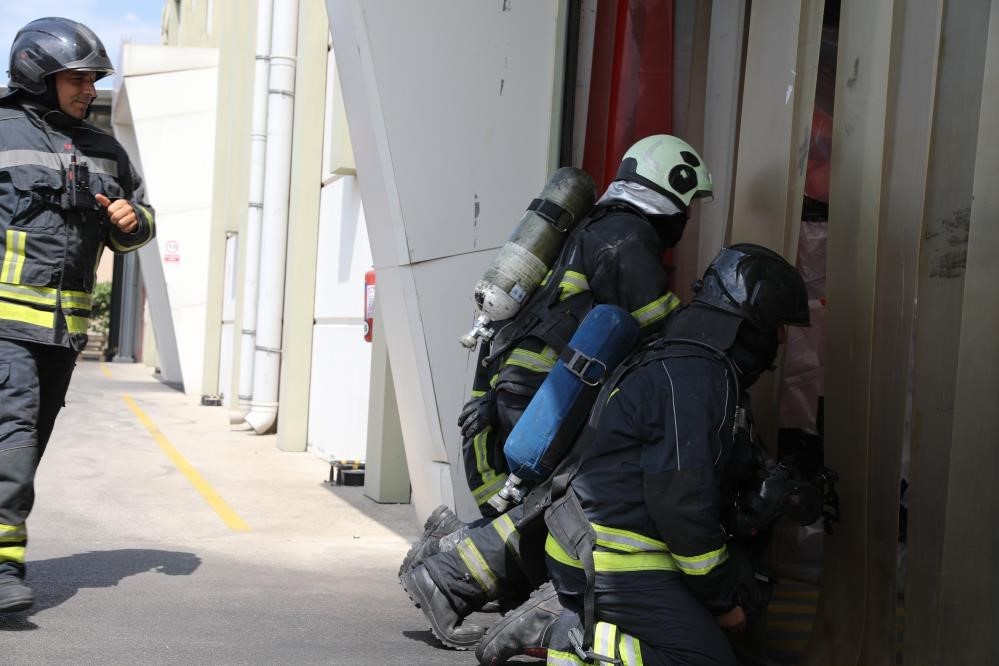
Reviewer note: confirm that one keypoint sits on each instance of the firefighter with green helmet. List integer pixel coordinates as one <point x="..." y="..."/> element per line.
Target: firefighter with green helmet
<point x="614" y="256"/>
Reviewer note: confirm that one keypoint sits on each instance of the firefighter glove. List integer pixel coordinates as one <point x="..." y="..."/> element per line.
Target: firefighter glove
<point x="477" y="415"/>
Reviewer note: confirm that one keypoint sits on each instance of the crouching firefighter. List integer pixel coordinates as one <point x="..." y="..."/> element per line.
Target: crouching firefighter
<point x="614" y="255"/>
<point x="641" y="549"/>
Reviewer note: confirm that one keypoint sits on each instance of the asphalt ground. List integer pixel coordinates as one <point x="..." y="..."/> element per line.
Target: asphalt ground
<point x="161" y="536"/>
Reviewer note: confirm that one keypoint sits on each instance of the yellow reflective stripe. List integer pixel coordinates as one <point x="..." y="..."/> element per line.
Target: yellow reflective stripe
<point x="572" y="283"/>
<point x="12" y="554"/>
<point x="604" y="639"/>
<point x="559" y="658"/>
<point x="26" y="315"/>
<point x="509" y="534"/>
<point x="613" y="393"/>
<point x="533" y="361"/>
<point x="630" y="650"/>
<point x="488" y="489"/>
<point x="626" y="541"/>
<point x="477" y="394"/>
<point x="613" y="562"/>
<point x="19" y="292"/>
<point x="78" y="300"/>
<point x="13" y="259"/>
<point x="656" y="310"/>
<point x="698" y="565"/>
<point x="479" y="446"/>
<point x="76" y="325"/>
<point x="544" y="280"/>
<point x="9" y="532"/>
<point x="476" y="565"/>
<point x="494" y="380"/>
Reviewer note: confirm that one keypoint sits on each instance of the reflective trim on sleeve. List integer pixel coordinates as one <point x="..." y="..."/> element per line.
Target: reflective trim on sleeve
<point x="476" y="565"/>
<point x="613" y="562"/>
<point x="605" y="639"/>
<point x="13" y="258"/>
<point x="488" y="489"/>
<point x="698" y="565"/>
<point x="12" y="554"/>
<point x="573" y="283"/>
<point x="77" y="300"/>
<point x="627" y="541"/>
<point x="27" y="315"/>
<point x="480" y="444"/>
<point x="509" y="534"/>
<point x="148" y="217"/>
<point x="533" y="361"/>
<point x="56" y="161"/>
<point x="75" y="324"/>
<point x="656" y="310"/>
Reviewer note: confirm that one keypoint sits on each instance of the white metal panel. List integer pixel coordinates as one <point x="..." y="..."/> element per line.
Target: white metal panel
<point x="344" y="254"/>
<point x="465" y="91"/>
<point x="338" y="399"/>
<point x="175" y="134"/>
<point x="341" y="359"/>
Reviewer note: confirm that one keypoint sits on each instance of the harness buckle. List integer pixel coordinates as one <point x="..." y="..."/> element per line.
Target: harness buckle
<point x="579" y="364"/>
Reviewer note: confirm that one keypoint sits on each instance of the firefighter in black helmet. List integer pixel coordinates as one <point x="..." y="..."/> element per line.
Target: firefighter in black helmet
<point x="67" y="191"/>
<point x="658" y="573"/>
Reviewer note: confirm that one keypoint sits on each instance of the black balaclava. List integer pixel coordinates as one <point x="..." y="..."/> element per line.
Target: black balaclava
<point x="669" y="228"/>
<point x="753" y="351"/>
<point x="46" y="104"/>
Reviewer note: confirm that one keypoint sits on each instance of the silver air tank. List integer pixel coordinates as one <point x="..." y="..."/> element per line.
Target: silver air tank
<point x="527" y="256"/>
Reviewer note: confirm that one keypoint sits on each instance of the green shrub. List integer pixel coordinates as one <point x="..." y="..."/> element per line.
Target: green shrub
<point x="100" y="313"/>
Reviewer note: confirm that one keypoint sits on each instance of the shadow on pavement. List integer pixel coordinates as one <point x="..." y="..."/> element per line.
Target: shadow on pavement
<point x="58" y="579"/>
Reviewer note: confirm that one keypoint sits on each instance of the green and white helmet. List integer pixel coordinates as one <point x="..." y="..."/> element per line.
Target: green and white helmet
<point x="667" y="165"/>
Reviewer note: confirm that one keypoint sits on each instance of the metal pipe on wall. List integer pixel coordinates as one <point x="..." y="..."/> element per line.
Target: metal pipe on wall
<point x="274" y="231"/>
<point x="251" y="273"/>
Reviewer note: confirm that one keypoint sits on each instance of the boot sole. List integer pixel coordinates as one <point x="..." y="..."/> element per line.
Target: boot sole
<point x="429" y="526"/>
<point x="416" y="596"/>
<point x="18" y="604"/>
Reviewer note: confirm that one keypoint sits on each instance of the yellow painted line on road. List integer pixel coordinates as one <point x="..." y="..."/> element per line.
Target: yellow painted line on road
<point x="207" y="492"/>
<point x="106" y="370"/>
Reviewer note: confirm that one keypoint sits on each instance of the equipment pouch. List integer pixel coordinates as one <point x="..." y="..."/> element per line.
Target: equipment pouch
<point x="569" y="526"/>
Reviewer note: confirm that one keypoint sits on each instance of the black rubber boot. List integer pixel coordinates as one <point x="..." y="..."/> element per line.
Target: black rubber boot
<point x="524" y="630"/>
<point x="440" y="523"/>
<point x="444" y="620"/>
<point x="15" y="595"/>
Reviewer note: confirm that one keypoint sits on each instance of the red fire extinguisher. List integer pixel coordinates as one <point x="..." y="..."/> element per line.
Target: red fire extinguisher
<point x="369" y="303"/>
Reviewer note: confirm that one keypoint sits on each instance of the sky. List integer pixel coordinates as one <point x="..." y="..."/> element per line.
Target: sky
<point x="114" y="21"/>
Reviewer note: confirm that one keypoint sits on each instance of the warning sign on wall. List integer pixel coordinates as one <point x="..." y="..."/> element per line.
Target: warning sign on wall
<point x="171" y="252"/>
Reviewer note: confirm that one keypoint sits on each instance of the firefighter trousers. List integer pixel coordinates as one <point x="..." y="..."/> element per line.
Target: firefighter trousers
<point x="33" y="383"/>
<point x="503" y="558"/>
<point x="642" y="617"/>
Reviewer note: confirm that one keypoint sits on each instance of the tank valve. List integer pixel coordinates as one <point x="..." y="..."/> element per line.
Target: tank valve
<point x="481" y="330"/>
<point x="511" y="494"/>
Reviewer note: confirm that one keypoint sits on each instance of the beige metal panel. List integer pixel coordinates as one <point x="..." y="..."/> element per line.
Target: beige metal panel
<point x="230" y="192"/>
<point x="721" y="114"/>
<point x="303" y="226"/>
<point x="854" y="215"/>
<point x="692" y="31"/>
<point x="782" y="56"/>
<point x="969" y="582"/>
